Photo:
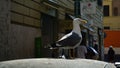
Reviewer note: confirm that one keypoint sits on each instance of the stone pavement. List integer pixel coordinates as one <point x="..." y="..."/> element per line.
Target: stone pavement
<point x="55" y="63"/>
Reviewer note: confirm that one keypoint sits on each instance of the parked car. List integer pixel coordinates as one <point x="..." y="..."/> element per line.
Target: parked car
<point x="55" y="63"/>
<point x="117" y="64"/>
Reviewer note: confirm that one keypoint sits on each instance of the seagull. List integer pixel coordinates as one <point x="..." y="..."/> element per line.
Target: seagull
<point x="72" y="39"/>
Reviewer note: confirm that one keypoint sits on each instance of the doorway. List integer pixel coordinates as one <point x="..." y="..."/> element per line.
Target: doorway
<point x="49" y="26"/>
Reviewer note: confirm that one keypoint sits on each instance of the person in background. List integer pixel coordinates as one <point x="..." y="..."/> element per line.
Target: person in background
<point x="111" y="54"/>
<point x="82" y="50"/>
<point x="96" y="47"/>
<point x="92" y="53"/>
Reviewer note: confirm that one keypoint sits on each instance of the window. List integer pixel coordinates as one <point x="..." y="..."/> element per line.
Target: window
<point x="52" y="12"/>
<point x="115" y="10"/>
<point x="107" y="27"/>
<point x="106" y="10"/>
<point x="99" y="2"/>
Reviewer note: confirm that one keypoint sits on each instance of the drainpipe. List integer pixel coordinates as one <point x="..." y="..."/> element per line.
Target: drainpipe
<point x="77" y="11"/>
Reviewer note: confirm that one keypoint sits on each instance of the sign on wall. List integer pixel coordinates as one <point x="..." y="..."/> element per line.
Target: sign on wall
<point x="88" y="7"/>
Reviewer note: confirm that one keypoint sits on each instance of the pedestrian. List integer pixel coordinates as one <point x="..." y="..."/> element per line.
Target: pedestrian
<point x="97" y="52"/>
<point x="81" y="51"/>
<point x="111" y="54"/>
<point x="96" y="47"/>
<point x="92" y="53"/>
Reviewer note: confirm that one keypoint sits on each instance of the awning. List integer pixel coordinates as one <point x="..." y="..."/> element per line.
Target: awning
<point x="67" y="4"/>
<point x="88" y="27"/>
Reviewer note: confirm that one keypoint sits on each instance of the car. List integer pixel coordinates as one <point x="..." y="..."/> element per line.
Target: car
<point x="117" y="64"/>
<point x="55" y="63"/>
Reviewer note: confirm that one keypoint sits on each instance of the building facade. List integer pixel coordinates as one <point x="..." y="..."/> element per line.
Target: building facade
<point x="19" y="27"/>
<point x="111" y="14"/>
<point x="112" y="26"/>
<point x="27" y="26"/>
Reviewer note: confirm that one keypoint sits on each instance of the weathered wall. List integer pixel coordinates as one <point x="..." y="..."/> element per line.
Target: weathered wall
<point x="116" y="3"/>
<point x="108" y="2"/>
<point x="113" y="22"/>
<point x="24" y="28"/>
<point x="22" y="41"/>
<point x="25" y="12"/>
<point x="19" y="26"/>
<point x="4" y="29"/>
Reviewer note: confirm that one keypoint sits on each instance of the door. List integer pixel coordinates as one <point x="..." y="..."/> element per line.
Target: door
<point x="49" y="32"/>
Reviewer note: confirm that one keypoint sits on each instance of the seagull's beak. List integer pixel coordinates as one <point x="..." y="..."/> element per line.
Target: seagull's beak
<point x="83" y="21"/>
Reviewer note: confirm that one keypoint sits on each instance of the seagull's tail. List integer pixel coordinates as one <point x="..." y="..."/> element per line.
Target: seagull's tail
<point x="51" y="46"/>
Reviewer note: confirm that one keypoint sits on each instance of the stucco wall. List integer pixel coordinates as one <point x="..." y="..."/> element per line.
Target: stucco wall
<point x="113" y="22"/>
<point x="108" y="2"/>
<point x="116" y="3"/>
<point x="22" y="41"/>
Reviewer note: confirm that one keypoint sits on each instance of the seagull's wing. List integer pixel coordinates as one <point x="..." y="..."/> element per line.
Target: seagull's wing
<point x="65" y="36"/>
<point x="70" y="39"/>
